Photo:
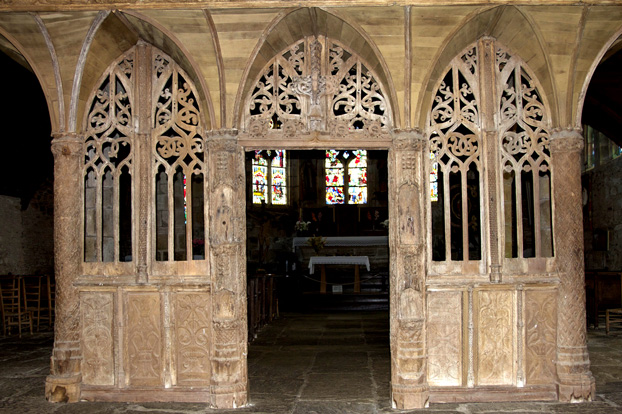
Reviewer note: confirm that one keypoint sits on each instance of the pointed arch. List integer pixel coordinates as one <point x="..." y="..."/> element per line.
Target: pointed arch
<point x="313" y="22"/>
<point x="51" y="86"/>
<point x="510" y="25"/>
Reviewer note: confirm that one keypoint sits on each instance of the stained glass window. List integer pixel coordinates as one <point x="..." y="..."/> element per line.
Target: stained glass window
<point x="270" y="177"/>
<point x="350" y="164"/>
<point x="433" y="178"/>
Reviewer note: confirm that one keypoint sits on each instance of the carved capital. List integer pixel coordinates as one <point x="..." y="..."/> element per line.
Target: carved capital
<point x="409" y="139"/>
<point x="566" y="140"/>
<point x="66" y="144"/>
<point x="222" y="139"/>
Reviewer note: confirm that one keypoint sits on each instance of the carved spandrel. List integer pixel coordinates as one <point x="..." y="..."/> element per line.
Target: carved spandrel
<point x="540" y="336"/>
<point x="144" y="339"/>
<point x="495" y="338"/>
<point x="192" y="331"/>
<point x="444" y="338"/>
<point x="97" y="310"/>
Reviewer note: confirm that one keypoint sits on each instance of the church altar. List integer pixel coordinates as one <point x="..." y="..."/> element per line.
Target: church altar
<point x="339" y="260"/>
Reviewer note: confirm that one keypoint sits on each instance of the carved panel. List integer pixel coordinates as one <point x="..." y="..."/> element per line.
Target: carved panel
<point x="97" y="310"/>
<point x="144" y="339"/>
<point x="192" y="333"/>
<point x="540" y="336"/>
<point x="444" y="338"/>
<point x="495" y="337"/>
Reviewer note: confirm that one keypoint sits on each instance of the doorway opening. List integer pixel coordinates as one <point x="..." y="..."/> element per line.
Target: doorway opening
<point x="313" y="322"/>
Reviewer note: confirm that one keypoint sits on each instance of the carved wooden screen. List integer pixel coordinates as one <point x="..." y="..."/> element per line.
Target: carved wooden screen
<point x="525" y="157"/>
<point x="455" y="145"/>
<point x="179" y="164"/>
<point x="359" y="99"/>
<point x="108" y="167"/>
<point x="317" y="84"/>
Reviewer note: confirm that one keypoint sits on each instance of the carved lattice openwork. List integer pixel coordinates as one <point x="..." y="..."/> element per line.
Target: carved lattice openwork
<point x="317" y="85"/>
<point x="108" y="166"/>
<point x="525" y="159"/>
<point x="455" y="145"/>
<point x="179" y="164"/>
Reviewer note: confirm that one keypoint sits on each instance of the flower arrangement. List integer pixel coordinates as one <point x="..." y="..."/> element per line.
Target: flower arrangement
<point x="317" y="243"/>
<point x="385" y="224"/>
<point x="302" y="225"/>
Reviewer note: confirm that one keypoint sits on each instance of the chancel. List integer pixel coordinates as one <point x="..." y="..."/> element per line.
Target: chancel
<point x="424" y="157"/>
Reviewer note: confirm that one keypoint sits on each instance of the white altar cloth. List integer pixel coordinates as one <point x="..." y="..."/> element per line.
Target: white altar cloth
<point x="347" y="260"/>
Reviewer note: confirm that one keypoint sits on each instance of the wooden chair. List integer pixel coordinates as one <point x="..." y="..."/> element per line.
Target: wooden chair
<point x="614" y="316"/>
<point x="46" y="304"/>
<point x="14" y="311"/>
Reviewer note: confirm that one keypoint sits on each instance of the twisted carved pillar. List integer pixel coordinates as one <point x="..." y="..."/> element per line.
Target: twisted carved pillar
<point x="406" y="241"/>
<point x="575" y="379"/>
<point x="227" y="230"/>
<point x="63" y="383"/>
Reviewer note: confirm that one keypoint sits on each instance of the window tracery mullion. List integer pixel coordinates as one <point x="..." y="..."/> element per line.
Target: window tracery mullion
<point x="188" y="201"/>
<point x="447" y="213"/>
<point x="464" y="212"/>
<point x="115" y="213"/>
<point x="536" y="209"/>
<point x="170" y="174"/>
<point x="98" y="216"/>
<point x="519" y="212"/>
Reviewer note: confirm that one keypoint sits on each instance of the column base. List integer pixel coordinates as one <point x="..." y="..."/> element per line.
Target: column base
<point x="410" y="397"/>
<point x="576" y="388"/>
<point x="61" y="388"/>
<point x="229" y="396"/>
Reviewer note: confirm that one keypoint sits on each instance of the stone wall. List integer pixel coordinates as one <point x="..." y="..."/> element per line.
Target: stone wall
<point x="11" y="255"/>
<point x="602" y="216"/>
<point x="26" y="236"/>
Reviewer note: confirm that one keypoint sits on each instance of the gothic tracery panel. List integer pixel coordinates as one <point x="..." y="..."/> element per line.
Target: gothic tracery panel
<point x="455" y="147"/>
<point x="108" y="166"/>
<point x="525" y="158"/>
<point x="179" y="164"/>
<point x="317" y="84"/>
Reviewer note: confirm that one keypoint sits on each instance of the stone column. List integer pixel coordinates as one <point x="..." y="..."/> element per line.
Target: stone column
<point x="227" y="238"/>
<point x="409" y="386"/>
<point x="63" y="383"/>
<point x="576" y="382"/>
